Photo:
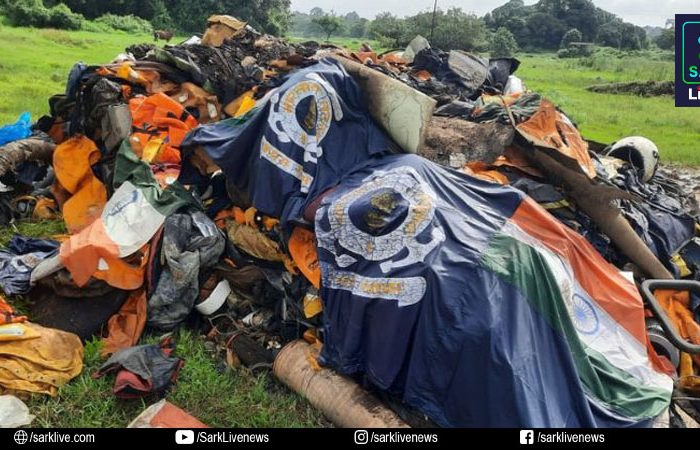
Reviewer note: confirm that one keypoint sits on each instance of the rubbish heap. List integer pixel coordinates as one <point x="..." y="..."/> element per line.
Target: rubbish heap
<point x="268" y="195"/>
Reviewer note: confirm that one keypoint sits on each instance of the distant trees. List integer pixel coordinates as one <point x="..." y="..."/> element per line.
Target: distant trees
<point x="573" y="35"/>
<point x="454" y="29"/>
<point x="666" y="40"/>
<point x="622" y="35"/>
<point x="502" y="44"/>
<point x="328" y="24"/>
<point x="33" y="13"/>
<point x="544" y="24"/>
<point x="352" y="25"/>
<point x="271" y="16"/>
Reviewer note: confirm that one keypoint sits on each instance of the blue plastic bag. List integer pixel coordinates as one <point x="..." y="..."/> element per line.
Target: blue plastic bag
<point x="19" y="130"/>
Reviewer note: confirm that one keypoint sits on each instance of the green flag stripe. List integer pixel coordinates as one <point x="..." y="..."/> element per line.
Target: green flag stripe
<point x="524" y="267"/>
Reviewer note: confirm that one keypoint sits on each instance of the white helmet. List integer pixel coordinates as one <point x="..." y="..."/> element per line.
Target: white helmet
<point x="640" y="152"/>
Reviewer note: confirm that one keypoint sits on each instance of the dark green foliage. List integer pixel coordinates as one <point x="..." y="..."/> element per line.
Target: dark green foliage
<point x="666" y="40"/>
<point x="573" y="35"/>
<point x="271" y="16"/>
<point x="502" y="43"/>
<point x="130" y="23"/>
<point x="328" y="24"/>
<point x="33" y="13"/>
<point x="544" y="24"/>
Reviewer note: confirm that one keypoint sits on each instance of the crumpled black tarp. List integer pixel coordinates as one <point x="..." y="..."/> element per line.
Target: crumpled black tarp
<point x="191" y="244"/>
<point x="142" y="369"/>
<point x="659" y="219"/>
<point x="460" y="75"/>
<point x="499" y="71"/>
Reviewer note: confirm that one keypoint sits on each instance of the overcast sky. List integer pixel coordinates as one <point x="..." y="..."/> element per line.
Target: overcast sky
<point x="639" y="12"/>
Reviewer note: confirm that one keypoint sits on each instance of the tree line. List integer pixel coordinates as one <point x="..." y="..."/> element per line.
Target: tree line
<point x="187" y="16"/>
<point x="540" y="26"/>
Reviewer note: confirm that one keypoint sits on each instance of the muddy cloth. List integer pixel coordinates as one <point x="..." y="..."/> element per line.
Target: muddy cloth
<point x="191" y="245"/>
<point x="139" y="51"/>
<point x="491" y="109"/>
<point x="219" y="69"/>
<point x="19" y="259"/>
<point x="103" y="94"/>
<point x="35" y="149"/>
<point x="423" y="312"/>
<point x="143" y="369"/>
<point x="298" y="143"/>
<point x="454" y="75"/>
<point x="461" y="75"/>
<point x="659" y="219"/>
<point x="456" y="108"/>
<point x="42" y="364"/>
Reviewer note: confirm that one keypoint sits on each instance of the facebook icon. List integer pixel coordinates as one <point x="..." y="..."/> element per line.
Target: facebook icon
<point x="527" y="437"/>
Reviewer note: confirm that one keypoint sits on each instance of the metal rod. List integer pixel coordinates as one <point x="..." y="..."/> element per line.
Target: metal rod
<point x="432" y="25"/>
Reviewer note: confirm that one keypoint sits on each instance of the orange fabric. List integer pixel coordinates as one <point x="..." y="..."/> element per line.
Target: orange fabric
<point x="72" y="161"/>
<point x="365" y="57"/>
<point x="45" y="209"/>
<point x="239" y="215"/>
<point x="57" y="132"/>
<point x="162" y="119"/>
<point x="393" y="58"/>
<point x="166" y="415"/>
<point x="81" y="257"/>
<point x="599" y="278"/>
<point x="221" y="216"/>
<point x="302" y="248"/>
<point x="549" y="128"/>
<point x="148" y="78"/>
<point x="192" y="96"/>
<point x="126" y="326"/>
<point x="483" y="171"/>
<point x="676" y="304"/>
<point x="687" y="379"/>
<point x="423" y="75"/>
<point x="7" y="314"/>
<point x="120" y="274"/>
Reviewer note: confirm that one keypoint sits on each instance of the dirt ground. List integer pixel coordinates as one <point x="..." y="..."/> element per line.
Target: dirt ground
<point x="640" y="88"/>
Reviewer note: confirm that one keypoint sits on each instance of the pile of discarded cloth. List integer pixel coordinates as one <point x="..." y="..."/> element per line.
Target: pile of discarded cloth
<point x="239" y="184"/>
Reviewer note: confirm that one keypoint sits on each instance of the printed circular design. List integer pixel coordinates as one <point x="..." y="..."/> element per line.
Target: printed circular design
<point x="377" y="248"/>
<point x="288" y="108"/>
<point x="586" y="319"/>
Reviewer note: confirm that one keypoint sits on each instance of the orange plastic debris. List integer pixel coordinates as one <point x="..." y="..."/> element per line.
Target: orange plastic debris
<point x="126" y="326"/>
<point x="302" y="248"/>
<point x="72" y="161"/>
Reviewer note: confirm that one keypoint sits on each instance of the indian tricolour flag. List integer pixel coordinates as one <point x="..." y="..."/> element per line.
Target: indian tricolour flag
<point x="597" y="311"/>
<point x="129" y="220"/>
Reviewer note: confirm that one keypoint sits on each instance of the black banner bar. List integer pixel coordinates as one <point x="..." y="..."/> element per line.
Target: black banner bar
<point x="335" y="439"/>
